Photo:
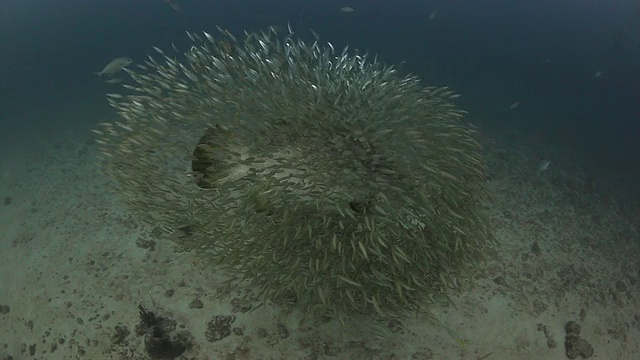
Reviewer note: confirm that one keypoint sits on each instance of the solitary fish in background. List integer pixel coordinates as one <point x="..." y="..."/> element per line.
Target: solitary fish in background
<point x="174" y="5"/>
<point x="433" y="15"/>
<point x="544" y="165"/>
<point x="515" y="105"/>
<point x="114" y="66"/>
<point x="347" y="9"/>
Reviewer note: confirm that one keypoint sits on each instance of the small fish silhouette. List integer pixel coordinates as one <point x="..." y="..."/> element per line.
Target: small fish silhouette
<point x="174" y="4"/>
<point x="544" y="165"/>
<point x="114" y="66"/>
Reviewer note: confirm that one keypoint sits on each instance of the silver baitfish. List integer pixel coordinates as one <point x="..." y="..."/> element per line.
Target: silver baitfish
<point x="114" y="66"/>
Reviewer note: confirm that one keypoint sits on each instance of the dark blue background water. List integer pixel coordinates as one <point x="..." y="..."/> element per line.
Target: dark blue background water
<point x="495" y="52"/>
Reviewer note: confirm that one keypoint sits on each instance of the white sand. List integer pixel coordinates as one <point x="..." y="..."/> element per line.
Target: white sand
<point x="70" y="272"/>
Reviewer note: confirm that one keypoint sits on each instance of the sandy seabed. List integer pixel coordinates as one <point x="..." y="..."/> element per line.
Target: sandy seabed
<point x="75" y="266"/>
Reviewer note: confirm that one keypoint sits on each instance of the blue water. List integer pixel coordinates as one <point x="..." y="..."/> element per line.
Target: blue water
<point x="545" y="54"/>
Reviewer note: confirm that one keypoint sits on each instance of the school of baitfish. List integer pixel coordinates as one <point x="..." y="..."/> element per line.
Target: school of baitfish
<point x="322" y="176"/>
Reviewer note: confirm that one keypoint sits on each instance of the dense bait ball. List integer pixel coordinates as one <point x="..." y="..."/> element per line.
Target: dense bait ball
<point x="323" y="177"/>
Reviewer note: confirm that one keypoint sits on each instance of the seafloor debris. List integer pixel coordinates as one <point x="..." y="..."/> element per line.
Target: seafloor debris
<point x="283" y="332"/>
<point x="158" y="341"/>
<point x="219" y="327"/>
<point x="120" y="335"/>
<point x="575" y="345"/>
